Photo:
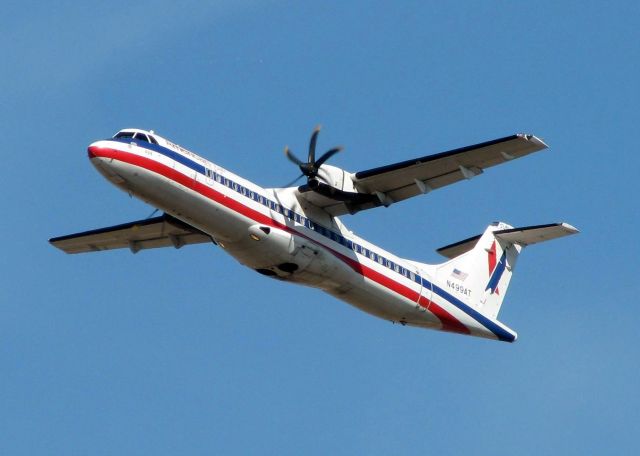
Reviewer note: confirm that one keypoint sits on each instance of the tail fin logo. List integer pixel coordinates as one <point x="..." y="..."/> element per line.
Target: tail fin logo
<point x="496" y="269"/>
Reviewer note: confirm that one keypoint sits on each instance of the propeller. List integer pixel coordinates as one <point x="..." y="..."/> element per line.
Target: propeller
<point x="312" y="166"/>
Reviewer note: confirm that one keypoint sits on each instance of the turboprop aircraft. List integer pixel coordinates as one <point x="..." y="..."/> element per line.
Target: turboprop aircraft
<point x="294" y="233"/>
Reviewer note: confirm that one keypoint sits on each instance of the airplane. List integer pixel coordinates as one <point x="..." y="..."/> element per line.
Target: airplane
<point x="294" y="233"/>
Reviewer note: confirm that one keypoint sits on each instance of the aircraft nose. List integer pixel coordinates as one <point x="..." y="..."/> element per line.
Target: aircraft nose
<point x="101" y="156"/>
<point x="93" y="150"/>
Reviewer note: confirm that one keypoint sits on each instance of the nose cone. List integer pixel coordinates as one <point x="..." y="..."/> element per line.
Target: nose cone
<point x="101" y="155"/>
<point x="93" y="150"/>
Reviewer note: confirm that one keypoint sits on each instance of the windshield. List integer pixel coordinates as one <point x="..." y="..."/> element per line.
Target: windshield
<point x="124" y="134"/>
<point x="140" y="136"/>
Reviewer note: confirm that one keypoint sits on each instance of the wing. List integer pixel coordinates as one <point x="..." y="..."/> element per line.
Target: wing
<point x="392" y="183"/>
<point x="162" y="231"/>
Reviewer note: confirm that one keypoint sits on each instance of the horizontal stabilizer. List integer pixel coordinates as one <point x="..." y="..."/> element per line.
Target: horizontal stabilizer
<point x="162" y="231"/>
<point x="534" y="234"/>
<point x="523" y="236"/>
<point x="458" y="248"/>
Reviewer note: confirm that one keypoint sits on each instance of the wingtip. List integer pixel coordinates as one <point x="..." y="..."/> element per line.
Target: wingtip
<point x="570" y="228"/>
<point x="534" y="139"/>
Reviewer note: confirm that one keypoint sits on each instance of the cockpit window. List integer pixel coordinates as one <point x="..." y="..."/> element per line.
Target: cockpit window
<point x="124" y="134"/>
<point x="152" y="139"/>
<point x="142" y="137"/>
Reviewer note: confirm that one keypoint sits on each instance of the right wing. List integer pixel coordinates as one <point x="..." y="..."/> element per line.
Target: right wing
<point x="162" y="231"/>
<point x="396" y="182"/>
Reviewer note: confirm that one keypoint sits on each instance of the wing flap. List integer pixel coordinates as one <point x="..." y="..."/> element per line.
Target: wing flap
<point x="162" y="231"/>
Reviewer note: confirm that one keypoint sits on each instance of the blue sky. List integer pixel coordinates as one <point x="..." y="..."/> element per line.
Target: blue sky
<point x="186" y="351"/>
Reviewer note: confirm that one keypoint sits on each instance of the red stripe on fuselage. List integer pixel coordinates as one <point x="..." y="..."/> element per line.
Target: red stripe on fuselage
<point x="449" y="322"/>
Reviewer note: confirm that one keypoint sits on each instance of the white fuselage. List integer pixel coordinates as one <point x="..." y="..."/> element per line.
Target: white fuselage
<point x="277" y="233"/>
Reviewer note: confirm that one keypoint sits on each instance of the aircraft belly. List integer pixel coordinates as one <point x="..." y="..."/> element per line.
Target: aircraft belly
<point x="373" y="302"/>
<point x="286" y="256"/>
<point x="385" y="303"/>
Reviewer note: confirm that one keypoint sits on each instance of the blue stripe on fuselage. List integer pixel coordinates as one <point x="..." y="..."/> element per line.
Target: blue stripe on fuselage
<point x="172" y="154"/>
<point x="500" y="332"/>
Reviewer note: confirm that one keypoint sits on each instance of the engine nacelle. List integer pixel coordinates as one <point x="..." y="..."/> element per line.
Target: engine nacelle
<point x="337" y="184"/>
<point x="337" y="178"/>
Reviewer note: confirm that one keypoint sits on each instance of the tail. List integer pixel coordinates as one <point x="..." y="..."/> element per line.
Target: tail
<point x="481" y="267"/>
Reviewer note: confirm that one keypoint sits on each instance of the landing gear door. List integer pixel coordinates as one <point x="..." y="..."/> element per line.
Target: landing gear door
<point x="302" y="252"/>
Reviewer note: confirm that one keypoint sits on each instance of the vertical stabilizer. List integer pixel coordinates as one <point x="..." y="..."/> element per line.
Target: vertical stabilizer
<point x="481" y="267"/>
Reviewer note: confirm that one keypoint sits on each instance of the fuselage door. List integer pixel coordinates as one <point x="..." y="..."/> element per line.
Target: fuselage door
<point x="426" y="292"/>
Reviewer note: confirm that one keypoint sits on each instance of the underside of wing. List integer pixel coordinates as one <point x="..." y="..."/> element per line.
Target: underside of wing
<point x="534" y="234"/>
<point x="162" y="231"/>
<point x="389" y="184"/>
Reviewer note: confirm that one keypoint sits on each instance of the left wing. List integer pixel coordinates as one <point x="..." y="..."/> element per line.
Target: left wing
<point x="392" y="183"/>
<point x="162" y="231"/>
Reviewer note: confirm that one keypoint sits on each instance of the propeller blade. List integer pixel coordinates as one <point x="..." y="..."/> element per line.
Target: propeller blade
<point x="292" y="157"/>
<point x="311" y="167"/>
<point x="290" y="184"/>
<point x="312" y="144"/>
<point x="326" y="156"/>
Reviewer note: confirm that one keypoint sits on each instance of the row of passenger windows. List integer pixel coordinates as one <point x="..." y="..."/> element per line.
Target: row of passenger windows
<point x="291" y="215"/>
<point x="138" y="135"/>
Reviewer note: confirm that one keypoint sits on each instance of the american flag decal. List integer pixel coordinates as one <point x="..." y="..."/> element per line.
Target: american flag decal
<point x="458" y="274"/>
